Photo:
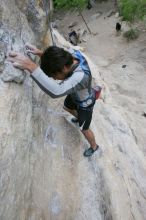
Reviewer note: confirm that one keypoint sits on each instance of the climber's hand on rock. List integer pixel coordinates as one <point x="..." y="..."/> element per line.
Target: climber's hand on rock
<point x="22" y="62"/>
<point x="32" y="49"/>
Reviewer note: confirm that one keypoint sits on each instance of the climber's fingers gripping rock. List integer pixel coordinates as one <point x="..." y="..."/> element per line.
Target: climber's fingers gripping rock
<point x="22" y="62"/>
<point x="32" y="49"/>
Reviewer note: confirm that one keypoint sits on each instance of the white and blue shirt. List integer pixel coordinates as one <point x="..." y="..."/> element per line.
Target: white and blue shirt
<point x="78" y="84"/>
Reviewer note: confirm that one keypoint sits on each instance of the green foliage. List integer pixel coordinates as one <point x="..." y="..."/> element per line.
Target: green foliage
<point x="131" y="34"/>
<point x="132" y="9"/>
<point x="67" y="4"/>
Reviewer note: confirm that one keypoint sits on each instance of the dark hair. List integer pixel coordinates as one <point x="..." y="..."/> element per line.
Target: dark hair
<point x="54" y="59"/>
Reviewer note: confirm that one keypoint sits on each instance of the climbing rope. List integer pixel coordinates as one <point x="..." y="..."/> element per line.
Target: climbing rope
<point x="47" y="9"/>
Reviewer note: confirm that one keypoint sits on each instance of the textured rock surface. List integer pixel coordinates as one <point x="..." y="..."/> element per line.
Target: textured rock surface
<point x="43" y="175"/>
<point x="21" y="22"/>
<point x="11" y="74"/>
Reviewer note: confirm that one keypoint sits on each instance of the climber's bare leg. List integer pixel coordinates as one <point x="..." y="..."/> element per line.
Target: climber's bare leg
<point x="89" y="135"/>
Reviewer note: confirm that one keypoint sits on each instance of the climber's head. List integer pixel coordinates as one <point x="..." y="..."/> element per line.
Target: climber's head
<point x="56" y="62"/>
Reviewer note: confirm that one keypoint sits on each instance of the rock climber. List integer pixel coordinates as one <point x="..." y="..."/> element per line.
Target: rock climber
<point x="74" y="75"/>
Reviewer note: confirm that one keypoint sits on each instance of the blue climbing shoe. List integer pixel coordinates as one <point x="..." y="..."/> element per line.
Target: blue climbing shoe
<point x="90" y="151"/>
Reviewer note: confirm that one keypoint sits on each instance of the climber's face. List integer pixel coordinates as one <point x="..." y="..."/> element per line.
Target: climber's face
<point x="66" y="71"/>
<point x="64" y="74"/>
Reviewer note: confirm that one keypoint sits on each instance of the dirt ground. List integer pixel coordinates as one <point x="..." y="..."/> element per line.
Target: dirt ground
<point x="121" y="64"/>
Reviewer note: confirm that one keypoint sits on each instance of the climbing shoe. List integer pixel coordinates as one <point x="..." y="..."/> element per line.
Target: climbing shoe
<point x="90" y="151"/>
<point x="74" y="120"/>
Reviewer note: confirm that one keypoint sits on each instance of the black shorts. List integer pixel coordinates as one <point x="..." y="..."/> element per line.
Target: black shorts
<point x="84" y="114"/>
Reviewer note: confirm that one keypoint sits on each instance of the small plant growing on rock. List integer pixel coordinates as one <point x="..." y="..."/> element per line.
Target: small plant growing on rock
<point x="131" y="34"/>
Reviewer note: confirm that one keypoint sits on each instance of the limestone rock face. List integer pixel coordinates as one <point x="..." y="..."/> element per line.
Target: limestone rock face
<point x="43" y="174"/>
<point x="11" y="74"/>
<point x="37" y="13"/>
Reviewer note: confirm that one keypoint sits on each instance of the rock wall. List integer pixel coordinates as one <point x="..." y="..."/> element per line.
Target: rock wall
<point x="43" y="174"/>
